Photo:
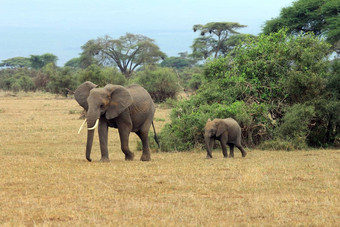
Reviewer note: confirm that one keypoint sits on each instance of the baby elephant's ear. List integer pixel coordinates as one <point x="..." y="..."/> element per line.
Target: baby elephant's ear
<point x="221" y="127"/>
<point x="120" y="100"/>
<point x="83" y="92"/>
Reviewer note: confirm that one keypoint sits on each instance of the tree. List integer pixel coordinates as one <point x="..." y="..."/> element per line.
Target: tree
<point x="73" y="63"/>
<point x="235" y="40"/>
<point x="127" y="53"/>
<point x="214" y="43"/>
<point x="16" y="62"/>
<point x="318" y="16"/>
<point x="90" y="49"/>
<point x="177" y="62"/>
<point x="39" y="61"/>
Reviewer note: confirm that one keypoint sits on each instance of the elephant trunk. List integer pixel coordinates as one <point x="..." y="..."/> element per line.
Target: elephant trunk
<point x="90" y="135"/>
<point x="94" y="127"/>
<point x="209" y="143"/>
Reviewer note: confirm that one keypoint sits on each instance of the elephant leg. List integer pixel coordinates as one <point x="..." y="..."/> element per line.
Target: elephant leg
<point x="124" y="140"/>
<point x="224" y="148"/>
<point x="244" y="153"/>
<point x="143" y="135"/>
<point x="231" y="146"/>
<point x="103" y="137"/>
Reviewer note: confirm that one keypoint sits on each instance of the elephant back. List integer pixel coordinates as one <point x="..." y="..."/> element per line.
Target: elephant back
<point x="233" y="128"/>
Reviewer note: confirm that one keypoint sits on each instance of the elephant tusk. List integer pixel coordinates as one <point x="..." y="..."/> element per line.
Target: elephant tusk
<point x="95" y="126"/>
<point x="82" y="125"/>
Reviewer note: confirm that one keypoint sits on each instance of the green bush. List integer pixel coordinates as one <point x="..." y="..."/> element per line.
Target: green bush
<point x="101" y="75"/>
<point x="295" y="123"/>
<point x="161" y="83"/>
<point x="111" y="75"/>
<point x="187" y="123"/>
<point x="26" y="83"/>
<point x="195" y="81"/>
<point x="278" y="87"/>
<point x="17" y="79"/>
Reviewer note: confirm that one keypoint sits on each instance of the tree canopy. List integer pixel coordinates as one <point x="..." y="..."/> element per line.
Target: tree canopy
<point x="39" y="61"/>
<point x="16" y="62"/>
<point x="127" y="53"/>
<point x="212" y="42"/>
<point x="322" y="17"/>
<point x="34" y="61"/>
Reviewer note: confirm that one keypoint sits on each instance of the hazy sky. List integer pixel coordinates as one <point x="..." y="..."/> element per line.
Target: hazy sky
<point x="61" y="27"/>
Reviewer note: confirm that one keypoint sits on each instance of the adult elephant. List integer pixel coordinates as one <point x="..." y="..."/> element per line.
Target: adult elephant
<point x="129" y="109"/>
<point x="227" y="131"/>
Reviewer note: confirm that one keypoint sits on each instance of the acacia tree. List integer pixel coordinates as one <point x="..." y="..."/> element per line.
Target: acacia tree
<point x="318" y="16"/>
<point x="213" y="44"/>
<point x="16" y="62"/>
<point x="34" y="61"/>
<point x="127" y="53"/>
<point x="39" y="61"/>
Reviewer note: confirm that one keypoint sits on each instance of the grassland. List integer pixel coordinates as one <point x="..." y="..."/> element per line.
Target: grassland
<point x="45" y="179"/>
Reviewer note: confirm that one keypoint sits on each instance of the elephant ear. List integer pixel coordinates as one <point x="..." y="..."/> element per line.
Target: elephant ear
<point x="221" y="127"/>
<point x="120" y="100"/>
<point x="83" y="92"/>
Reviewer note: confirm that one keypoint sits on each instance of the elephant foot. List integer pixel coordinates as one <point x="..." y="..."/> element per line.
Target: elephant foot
<point x="129" y="157"/>
<point x="208" y="157"/>
<point x="145" y="157"/>
<point x="244" y="155"/>
<point x="104" y="160"/>
<point x="226" y="156"/>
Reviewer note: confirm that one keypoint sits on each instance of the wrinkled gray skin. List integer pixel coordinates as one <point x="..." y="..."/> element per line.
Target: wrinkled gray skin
<point x="227" y="131"/>
<point x="129" y="109"/>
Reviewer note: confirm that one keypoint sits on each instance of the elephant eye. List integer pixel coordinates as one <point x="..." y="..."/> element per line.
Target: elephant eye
<point x="102" y="106"/>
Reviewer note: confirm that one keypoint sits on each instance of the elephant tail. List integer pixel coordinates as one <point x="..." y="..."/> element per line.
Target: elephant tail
<point x="155" y="135"/>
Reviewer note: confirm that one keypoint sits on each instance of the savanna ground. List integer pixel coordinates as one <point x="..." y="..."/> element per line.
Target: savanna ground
<point x="45" y="179"/>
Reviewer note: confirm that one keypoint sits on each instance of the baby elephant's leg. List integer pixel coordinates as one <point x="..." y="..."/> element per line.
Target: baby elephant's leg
<point x="244" y="153"/>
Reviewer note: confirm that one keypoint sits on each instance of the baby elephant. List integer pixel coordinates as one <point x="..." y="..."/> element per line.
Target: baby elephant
<point x="227" y="131"/>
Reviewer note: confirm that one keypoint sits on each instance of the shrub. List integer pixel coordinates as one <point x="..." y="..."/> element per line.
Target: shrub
<point x="26" y="83"/>
<point x="16" y="87"/>
<point x="111" y="75"/>
<point x="17" y="79"/>
<point x="161" y="83"/>
<point x="295" y="123"/>
<point x="188" y="119"/>
<point x="92" y="73"/>
<point x="101" y="75"/>
<point x="195" y="81"/>
<point x="62" y="81"/>
<point x="277" y="87"/>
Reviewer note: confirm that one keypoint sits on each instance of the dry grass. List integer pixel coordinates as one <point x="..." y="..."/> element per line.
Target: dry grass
<point x="45" y="179"/>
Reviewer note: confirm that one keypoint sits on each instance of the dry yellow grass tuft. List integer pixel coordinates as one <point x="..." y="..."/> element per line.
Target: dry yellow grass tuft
<point x="45" y="179"/>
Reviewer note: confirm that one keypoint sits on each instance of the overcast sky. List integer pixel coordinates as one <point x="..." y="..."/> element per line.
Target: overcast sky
<point x="61" y="27"/>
